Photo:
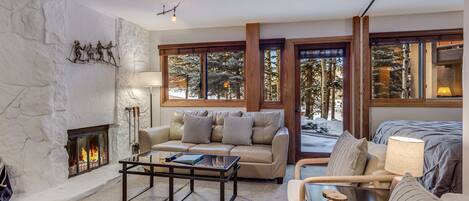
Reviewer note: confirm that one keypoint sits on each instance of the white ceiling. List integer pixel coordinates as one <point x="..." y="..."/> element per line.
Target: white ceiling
<point x="222" y="13"/>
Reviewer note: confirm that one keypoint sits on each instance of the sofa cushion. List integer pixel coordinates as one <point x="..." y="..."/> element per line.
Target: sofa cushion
<point x="173" y="145"/>
<point x="197" y="129"/>
<point x="176" y="128"/>
<point x="265" y="126"/>
<point x="409" y="189"/>
<point x="348" y="157"/>
<point x="212" y="149"/>
<point x="218" y="122"/>
<point x="256" y="153"/>
<point x="237" y="131"/>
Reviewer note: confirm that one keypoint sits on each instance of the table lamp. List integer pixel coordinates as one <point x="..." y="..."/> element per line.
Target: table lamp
<point x="444" y="92"/>
<point x="404" y="155"/>
<point x="150" y="80"/>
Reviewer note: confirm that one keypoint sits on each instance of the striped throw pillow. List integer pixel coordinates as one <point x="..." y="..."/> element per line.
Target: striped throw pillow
<point x="409" y="189"/>
<point x="348" y="158"/>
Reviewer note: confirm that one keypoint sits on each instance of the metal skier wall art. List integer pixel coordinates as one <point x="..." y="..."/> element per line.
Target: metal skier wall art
<point x="88" y="53"/>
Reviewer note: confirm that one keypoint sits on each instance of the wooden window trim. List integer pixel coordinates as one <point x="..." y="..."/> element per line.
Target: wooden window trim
<point x="201" y="49"/>
<point x="426" y="35"/>
<point x="266" y="44"/>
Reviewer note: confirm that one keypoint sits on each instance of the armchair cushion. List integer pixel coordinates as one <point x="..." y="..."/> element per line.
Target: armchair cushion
<point x="348" y="157"/>
<point x="409" y="189"/>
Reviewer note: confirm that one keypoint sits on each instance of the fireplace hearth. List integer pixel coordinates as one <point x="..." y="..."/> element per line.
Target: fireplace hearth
<point x="88" y="149"/>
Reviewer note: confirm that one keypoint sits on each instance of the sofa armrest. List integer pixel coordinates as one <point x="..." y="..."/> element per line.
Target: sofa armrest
<point x="280" y="152"/>
<point x="151" y="136"/>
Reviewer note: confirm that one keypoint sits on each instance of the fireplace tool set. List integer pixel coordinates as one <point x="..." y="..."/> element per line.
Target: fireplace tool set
<point x="134" y="127"/>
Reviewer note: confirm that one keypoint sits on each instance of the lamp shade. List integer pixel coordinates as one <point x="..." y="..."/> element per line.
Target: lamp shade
<point x="404" y="155"/>
<point x="149" y="79"/>
<point x="444" y="91"/>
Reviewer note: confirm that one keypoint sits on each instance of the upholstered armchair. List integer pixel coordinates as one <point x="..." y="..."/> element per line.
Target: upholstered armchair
<point x="296" y="187"/>
<point x="352" y="161"/>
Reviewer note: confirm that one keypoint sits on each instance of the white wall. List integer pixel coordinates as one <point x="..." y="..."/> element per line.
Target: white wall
<point x="447" y="20"/>
<point x="90" y="87"/>
<point x="466" y="102"/>
<point x="311" y="29"/>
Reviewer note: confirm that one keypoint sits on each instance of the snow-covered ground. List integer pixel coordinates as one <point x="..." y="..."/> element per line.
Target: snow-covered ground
<point x="323" y="126"/>
<point x="315" y="144"/>
<point x="319" y="135"/>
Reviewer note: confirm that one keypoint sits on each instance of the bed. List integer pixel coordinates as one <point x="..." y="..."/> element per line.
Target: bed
<point x="443" y="150"/>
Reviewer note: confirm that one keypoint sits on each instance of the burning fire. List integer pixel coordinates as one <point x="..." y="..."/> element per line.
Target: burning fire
<point x="93" y="154"/>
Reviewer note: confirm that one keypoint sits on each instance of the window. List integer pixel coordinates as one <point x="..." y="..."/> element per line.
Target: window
<point x="225" y="75"/>
<point x="184" y="76"/>
<point x="416" y="69"/>
<point x="272" y="73"/>
<point x="202" y="74"/>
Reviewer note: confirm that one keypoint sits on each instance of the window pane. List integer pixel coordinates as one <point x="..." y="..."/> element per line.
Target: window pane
<point x="184" y="76"/>
<point x="272" y="74"/>
<point x="444" y="69"/>
<point x="395" y="71"/>
<point x="225" y="79"/>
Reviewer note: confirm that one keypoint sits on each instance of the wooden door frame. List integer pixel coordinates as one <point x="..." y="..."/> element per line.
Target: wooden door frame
<point x="292" y="100"/>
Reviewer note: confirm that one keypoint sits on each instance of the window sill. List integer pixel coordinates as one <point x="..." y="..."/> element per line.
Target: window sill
<point x="450" y="103"/>
<point x="203" y="103"/>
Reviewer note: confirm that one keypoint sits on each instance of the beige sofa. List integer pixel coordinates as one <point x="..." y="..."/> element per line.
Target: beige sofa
<point x="266" y="158"/>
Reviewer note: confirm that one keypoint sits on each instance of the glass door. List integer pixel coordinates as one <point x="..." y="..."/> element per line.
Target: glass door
<point x="322" y="96"/>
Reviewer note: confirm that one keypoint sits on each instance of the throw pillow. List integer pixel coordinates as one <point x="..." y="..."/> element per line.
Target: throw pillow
<point x="348" y="157"/>
<point x="237" y="131"/>
<point x="176" y="128"/>
<point x="197" y="129"/>
<point x="409" y="189"/>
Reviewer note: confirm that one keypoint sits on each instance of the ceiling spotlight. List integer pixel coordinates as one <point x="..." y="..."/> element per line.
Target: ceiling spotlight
<point x="173" y="18"/>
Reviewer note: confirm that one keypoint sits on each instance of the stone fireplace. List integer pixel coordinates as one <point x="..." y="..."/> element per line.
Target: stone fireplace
<point x="88" y="149"/>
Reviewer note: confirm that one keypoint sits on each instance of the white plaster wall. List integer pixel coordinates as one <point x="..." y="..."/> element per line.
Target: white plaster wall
<point x="32" y="93"/>
<point x="466" y="102"/>
<point x="90" y="87"/>
<point x="134" y="49"/>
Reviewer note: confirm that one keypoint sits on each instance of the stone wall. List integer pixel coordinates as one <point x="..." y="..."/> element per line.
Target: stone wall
<point x="134" y="52"/>
<point x="32" y="92"/>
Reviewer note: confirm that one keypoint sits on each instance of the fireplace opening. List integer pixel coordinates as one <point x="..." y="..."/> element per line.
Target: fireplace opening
<point x="88" y="149"/>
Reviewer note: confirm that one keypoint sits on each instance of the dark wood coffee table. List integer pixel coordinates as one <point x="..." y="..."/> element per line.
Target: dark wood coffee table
<point x="225" y="166"/>
<point x="314" y="193"/>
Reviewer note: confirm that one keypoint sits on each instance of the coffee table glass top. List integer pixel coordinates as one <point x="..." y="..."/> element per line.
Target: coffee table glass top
<point x="314" y="192"/>
<point x="157" y="158"/>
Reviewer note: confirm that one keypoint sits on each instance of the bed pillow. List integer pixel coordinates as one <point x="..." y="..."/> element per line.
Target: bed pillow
<point x="237" y="131"/>
<point x="197" y="129"/>
<point x="409" y="189"/>
<point x="348" y="157"/>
